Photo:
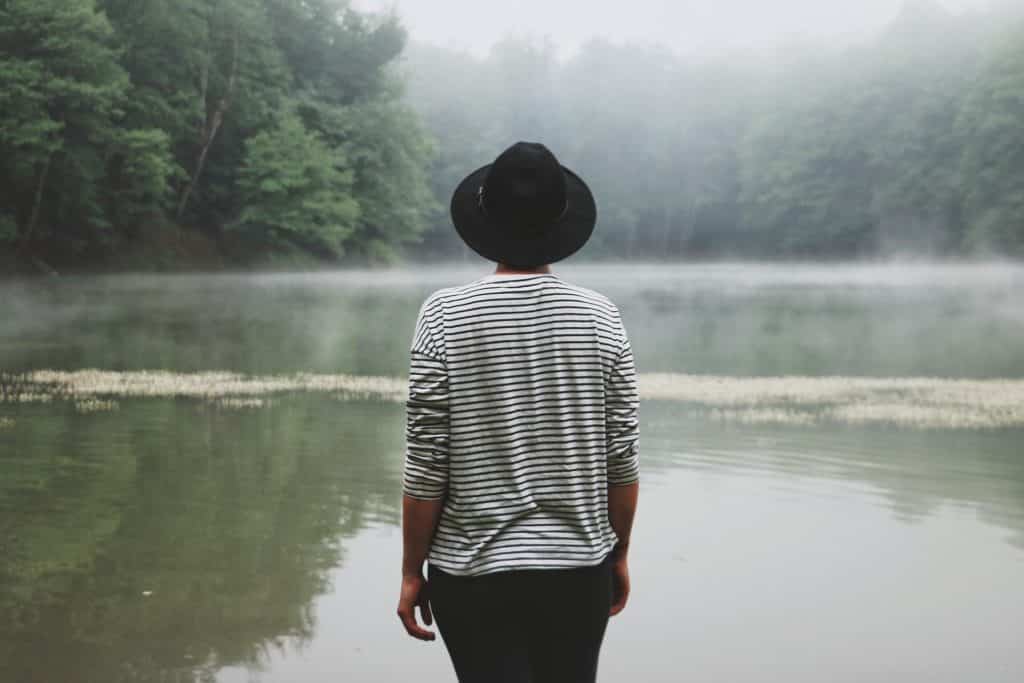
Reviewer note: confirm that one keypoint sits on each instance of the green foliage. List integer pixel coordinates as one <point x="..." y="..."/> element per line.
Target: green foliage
<point x="390" y="154"/>
<point x="62" y="88"/>
<point x="294" y="187"/>
<point x="28" y="130"/>
<point x="140" y="169"/>
<point x="164" y="47"/>
<point x="119" y="114"/>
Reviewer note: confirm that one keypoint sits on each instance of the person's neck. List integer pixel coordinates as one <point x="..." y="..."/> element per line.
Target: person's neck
<point x="509" y="270"/>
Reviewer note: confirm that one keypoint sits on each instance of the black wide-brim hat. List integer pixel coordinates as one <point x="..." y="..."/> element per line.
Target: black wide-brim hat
<point x="525" y="209"/>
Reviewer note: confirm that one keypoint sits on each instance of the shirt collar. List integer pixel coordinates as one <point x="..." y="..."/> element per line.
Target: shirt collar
<point x="516" y="276"/>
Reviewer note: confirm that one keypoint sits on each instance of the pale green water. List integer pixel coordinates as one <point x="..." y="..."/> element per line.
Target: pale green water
<point x="173" y="539"/>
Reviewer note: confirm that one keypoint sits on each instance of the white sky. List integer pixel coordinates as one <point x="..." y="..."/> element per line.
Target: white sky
<point x="686" y="26"/>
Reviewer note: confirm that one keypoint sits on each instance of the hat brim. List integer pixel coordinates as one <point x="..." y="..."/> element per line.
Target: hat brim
<point x="486" y="238"/>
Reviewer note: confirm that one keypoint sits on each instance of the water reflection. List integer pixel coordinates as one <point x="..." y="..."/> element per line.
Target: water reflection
<point x="910" y="473"/>
<point x="166" y="541"/>
<point x="171" y="539"/>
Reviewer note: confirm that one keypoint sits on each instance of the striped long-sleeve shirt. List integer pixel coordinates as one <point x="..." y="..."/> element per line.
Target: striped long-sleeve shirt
<point x="522" y="410"/>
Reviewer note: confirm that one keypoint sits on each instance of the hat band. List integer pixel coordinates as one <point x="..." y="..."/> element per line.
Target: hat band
<point x="534" y="230"/>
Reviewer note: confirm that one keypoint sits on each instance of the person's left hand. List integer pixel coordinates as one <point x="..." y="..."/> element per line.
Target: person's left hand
<point x="414" y="594"/>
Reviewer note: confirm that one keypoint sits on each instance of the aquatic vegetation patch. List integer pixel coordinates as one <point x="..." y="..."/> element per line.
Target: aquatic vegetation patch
<point x="94" y="405"/>
<point x="26" y="397"/>
<point x="758" y="416"/>
<point x="240" y="403"/>
<point x="927" y="416"/>
<point x="914" y="402"/>
<point x="918" y="402"/>
<point x="204" y="385"/>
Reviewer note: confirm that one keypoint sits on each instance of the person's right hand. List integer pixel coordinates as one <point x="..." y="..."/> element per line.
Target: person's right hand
<point x="413" y="595"/>
<point x="620" y="585"/>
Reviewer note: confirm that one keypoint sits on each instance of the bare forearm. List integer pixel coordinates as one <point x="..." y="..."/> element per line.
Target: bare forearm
<point x="621" y="510"/>
<point x="419" y="520"/>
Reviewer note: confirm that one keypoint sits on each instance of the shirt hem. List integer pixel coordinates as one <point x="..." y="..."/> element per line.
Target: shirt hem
<point x="543" y="565"/>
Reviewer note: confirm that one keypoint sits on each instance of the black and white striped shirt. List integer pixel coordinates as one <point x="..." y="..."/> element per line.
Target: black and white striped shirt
<point x="522" y="410"/>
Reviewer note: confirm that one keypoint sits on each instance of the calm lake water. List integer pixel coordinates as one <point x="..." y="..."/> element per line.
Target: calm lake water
<point x="169" y="538"/>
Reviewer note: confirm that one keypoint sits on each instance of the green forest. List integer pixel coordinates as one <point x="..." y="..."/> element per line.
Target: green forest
<point x="151" y="134"/>
<point x="132" y="130"/>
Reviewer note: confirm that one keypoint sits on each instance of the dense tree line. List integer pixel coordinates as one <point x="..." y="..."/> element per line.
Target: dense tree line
<point x="275" y="128"/>
<point x="273" y="125"/>
<point x="911" y="143"/>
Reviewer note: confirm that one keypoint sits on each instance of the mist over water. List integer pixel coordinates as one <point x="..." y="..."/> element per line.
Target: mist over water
<point x="916" y="345"/>
<point x="740" y="319"/>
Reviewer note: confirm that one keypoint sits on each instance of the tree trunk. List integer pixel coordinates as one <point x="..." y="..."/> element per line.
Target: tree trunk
<point x="37" y="203"/>
<point x="211" y="126"/>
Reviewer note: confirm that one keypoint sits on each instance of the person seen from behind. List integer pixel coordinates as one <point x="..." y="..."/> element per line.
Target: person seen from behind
<point x="521" y="472"/>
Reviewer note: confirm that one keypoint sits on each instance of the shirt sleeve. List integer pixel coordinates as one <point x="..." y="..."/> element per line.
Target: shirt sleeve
<point x="622" y="424"/>
<point x="425" y="474"/>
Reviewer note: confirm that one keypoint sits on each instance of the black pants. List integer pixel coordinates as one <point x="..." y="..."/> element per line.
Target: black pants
<point x="537" y="625"/>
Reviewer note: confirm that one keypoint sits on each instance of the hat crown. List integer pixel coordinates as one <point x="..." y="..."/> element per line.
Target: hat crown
<point x="524" y="208"/>
<point x="525" y="189"/>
